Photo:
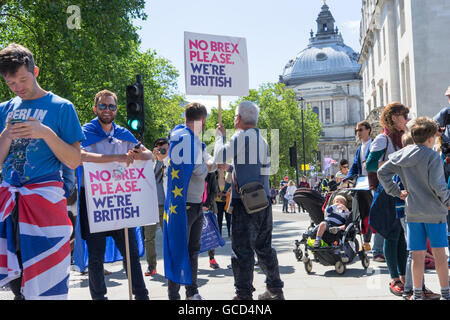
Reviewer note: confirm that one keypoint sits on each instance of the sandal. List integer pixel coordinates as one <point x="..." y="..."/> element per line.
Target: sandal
<point x="396" y="287"/>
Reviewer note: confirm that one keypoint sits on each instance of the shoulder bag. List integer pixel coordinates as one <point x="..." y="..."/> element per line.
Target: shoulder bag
<point x="253" y="195"/>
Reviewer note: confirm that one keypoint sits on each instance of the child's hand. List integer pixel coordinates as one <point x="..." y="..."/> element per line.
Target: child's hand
<point x="403" y="194"/>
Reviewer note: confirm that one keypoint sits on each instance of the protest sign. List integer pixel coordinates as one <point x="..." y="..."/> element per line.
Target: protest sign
<point x="120" y="197"/>
<point x="215" y="65"/>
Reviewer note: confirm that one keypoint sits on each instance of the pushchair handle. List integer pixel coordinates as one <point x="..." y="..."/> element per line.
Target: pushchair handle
<point x="352" y="177"/>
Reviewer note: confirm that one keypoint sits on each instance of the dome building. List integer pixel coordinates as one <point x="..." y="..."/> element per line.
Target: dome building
<point x="326" y="75"/>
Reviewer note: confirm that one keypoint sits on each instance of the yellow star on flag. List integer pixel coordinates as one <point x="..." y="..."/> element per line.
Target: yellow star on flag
<point x="177" y="192"/>
<point x="166" y="216"/>
<point x="174" y="174"/>
<point x="172" y="209"/>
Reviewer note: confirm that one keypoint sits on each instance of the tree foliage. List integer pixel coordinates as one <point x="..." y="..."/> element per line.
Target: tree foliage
<point x="279" y="114"/>
<point x="103" y="53"/>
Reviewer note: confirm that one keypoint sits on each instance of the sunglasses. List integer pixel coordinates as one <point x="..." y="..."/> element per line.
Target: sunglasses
<point x="111" y="107"/>
<point x="346" y="166"/>
<point x="358" y="130"/>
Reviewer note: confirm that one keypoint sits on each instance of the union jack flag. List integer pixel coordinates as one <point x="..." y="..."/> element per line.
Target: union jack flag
<point x="45" y="231"/>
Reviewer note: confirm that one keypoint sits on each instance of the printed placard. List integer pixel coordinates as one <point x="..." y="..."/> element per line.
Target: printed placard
<point x="215" y="65"/>
<point x="120" y="197"/>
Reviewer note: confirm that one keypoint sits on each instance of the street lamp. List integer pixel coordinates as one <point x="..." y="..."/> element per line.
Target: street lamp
<point x="303" y="134"/>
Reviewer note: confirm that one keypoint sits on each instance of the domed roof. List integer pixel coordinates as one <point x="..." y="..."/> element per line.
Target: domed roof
<point x="326" y="57"/>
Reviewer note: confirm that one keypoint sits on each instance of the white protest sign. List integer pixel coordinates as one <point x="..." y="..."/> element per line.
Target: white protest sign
<point x="362" y="183"/>
<point x="215" y="65"/>
<point x="120" y="197"/>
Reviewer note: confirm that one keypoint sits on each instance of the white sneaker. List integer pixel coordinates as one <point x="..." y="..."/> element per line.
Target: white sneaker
<point x="195" y="297"/>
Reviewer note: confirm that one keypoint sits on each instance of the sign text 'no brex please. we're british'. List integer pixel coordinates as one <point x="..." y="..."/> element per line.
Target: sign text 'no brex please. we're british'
<point x="215" y="65"/>
<point x="120" y="197"/>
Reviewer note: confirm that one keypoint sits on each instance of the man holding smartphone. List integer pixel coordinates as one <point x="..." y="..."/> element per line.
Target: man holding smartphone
<point x="39" y="132"/>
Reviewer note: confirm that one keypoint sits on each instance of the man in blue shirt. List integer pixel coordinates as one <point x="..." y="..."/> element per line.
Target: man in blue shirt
<point x="107" y="142"/>
<point x="40" y="132"/>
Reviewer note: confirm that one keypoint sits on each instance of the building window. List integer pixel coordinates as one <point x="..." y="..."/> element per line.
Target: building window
<point x="316" y="111"/>
<point x="384" y="41"/>
<point x="401" y="8"/>
<point x="379" y="47"/>
<point x="407" y="80"/>
<point x="372" y="59"/>
<point x="381" y="91"/>
<point x="327" y="115"/>
<point x="387" y="93"/>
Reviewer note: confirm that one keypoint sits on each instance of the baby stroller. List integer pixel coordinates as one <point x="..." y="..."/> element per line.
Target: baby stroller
<point x="338" y="250"/>
<point x="312" y="201"/>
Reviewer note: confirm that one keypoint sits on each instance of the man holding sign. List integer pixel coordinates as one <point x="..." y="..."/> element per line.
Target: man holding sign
<point x="107" y="142"/>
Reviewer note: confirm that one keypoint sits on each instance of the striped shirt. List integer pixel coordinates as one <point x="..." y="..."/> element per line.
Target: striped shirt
<point x="336" y="216"/>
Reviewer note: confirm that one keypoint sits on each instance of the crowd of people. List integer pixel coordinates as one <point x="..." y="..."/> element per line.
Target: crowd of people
<point x="41" y="137"/>
<point x="42" y="143"/>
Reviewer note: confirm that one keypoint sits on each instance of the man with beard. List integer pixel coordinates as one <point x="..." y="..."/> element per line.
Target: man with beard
<point x="108" y="142"/>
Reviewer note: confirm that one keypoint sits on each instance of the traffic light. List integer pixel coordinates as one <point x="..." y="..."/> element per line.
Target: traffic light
<point x="293" y="156"/>
<point x="135" y="107"/>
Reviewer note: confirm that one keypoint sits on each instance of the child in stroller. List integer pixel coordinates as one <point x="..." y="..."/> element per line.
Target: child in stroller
<point x="338" y="244"/>
<point x="337" y="215"/>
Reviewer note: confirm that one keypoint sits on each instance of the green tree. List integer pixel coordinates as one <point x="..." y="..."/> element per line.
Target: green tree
<point x="103" y="53"/>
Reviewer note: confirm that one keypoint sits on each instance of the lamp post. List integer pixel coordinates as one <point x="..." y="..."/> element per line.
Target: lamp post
<point x="303" y="134"/>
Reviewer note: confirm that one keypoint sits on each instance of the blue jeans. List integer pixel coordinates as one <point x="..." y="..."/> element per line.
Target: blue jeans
<point x="285" y="205"/>
<point x="378" y="244"/>
<point x="252" y="233"/>
<point x="96" y="244"/>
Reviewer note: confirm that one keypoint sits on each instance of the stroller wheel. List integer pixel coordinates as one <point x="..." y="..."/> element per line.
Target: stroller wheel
<point x="339" y="267"/>
<point x="298" y="254"/>
<point x="365" y="261"/>
<point x="308" y="265"/>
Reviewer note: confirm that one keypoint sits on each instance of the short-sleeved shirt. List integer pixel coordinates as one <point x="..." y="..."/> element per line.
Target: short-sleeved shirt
<point x="32" y="158"/>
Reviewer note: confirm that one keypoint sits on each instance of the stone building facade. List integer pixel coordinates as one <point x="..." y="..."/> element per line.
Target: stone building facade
<point x="404" y="54"/>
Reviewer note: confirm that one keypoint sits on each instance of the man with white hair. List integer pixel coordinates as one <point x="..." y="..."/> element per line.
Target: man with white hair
<point x="250" y="233"/>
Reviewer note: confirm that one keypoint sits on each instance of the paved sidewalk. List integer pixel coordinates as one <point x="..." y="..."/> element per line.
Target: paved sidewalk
<point x="323" y="283"/>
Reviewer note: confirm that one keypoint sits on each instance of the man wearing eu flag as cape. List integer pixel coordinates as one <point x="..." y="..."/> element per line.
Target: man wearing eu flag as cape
<point x="189" y="164"/>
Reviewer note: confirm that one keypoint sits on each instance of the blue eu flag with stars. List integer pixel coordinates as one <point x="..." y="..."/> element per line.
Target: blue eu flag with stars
<point x="177" y="266"/>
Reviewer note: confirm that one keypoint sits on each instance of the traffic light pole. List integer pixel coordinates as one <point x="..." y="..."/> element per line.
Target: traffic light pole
<point x="136" y="108"/>
<point x="303" y="140"/>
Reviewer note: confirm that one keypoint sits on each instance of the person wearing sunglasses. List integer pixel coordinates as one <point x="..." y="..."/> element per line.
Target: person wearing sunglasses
<point x="343" y="171"/>
<point x="363" y="197"/>
<point x="109" y="142"/>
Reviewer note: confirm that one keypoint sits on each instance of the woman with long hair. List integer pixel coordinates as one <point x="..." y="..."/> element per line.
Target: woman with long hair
<point x="382" y="217"/>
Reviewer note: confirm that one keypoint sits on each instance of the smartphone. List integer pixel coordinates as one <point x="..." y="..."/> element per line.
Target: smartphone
<point x="12" y="121"/>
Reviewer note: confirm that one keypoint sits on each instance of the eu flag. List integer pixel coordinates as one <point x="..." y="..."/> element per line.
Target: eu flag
<point x="177" y="266"/>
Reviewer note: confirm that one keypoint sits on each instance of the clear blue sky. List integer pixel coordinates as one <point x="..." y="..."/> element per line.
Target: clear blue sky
<point x="275" y="30"/>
